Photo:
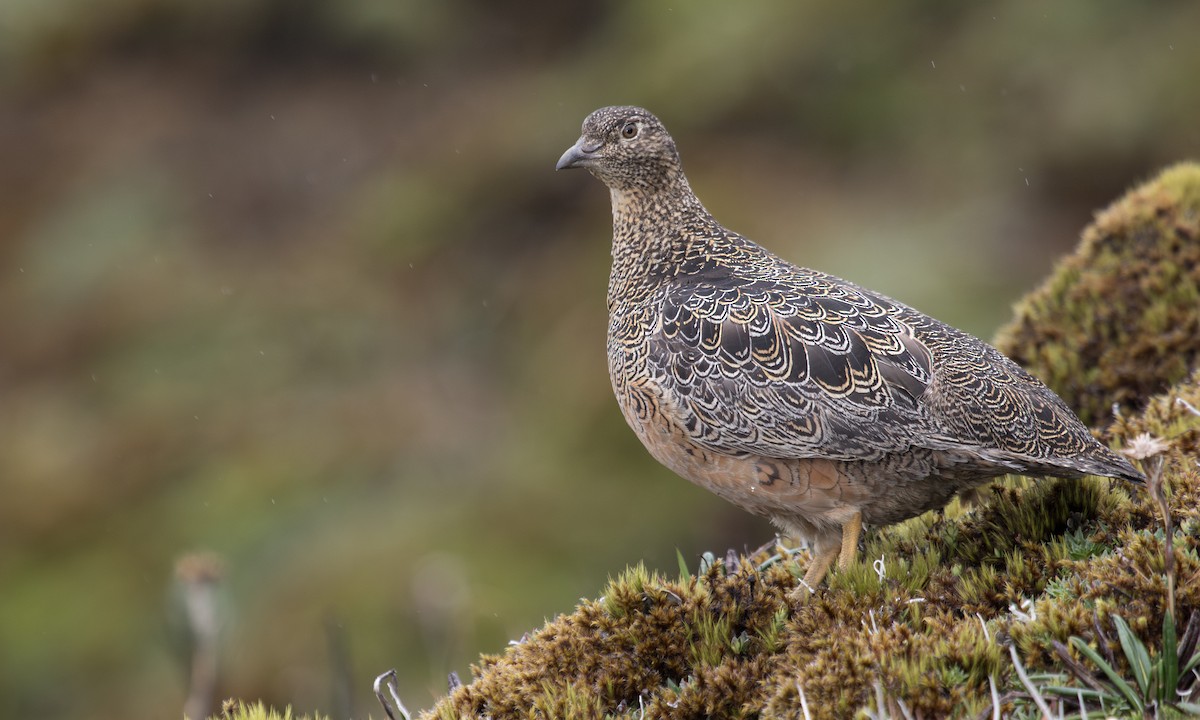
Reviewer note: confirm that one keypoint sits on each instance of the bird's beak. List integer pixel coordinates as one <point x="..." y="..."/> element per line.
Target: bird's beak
<point x="578" y="155"/>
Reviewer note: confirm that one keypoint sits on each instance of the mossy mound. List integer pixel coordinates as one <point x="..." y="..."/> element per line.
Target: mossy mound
<point x="1118" y="320"/>
<point x="919" y="621"/>
<point x="922" y="624"/>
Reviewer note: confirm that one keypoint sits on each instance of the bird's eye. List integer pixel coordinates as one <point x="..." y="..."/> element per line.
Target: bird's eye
<point x="629" y="130"/>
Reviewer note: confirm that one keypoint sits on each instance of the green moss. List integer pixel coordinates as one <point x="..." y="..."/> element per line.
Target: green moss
<point x="235" y="710"/>
<point x="1117" y="321"/>
<point x="566" y="701"/>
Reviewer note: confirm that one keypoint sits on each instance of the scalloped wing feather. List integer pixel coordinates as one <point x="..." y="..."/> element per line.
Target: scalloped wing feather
<point x="806" y="368"/>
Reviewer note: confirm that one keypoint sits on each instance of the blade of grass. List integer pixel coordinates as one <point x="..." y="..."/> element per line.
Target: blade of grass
<point x="685" y="575"/>
<point x="1077" y="667"/>
<point x="1118" y="682"/>
<point x="1072" y="692"/>
<point x="1190" y="664"/>
<point x="1135" y="652"/>
<point x="1169" y="662"/>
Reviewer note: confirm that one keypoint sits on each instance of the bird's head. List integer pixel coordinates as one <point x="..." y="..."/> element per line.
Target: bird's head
<point x="627" y="148"/>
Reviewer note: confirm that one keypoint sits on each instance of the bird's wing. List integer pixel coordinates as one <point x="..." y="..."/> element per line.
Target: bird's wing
<point x="790" y="368"/>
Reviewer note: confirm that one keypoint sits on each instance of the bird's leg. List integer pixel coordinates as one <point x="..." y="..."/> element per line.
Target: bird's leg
<point x="824" y="552"/>
<point x="819" y="567"/>
<point x="850" y="532"/>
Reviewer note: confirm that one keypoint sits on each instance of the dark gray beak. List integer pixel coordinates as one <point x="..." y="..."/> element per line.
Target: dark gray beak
<point x="578" y="155"/>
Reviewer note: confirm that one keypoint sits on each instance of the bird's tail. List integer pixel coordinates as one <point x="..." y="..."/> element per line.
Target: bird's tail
<point x="1099" y="461"/>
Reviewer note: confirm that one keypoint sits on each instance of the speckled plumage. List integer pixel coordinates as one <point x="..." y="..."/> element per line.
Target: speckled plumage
<point x="792" y="393"/>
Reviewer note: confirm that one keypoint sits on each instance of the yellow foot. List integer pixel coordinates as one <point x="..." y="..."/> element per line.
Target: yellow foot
<point x="850" y="532"/>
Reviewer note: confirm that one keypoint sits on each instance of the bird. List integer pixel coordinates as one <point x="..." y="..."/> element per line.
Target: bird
<point x="791" y="393"/>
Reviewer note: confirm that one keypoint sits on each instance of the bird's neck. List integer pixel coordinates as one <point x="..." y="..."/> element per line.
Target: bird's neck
<point x="651" y="230"/>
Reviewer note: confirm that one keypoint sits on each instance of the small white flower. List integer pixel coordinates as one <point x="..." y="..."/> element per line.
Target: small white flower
<point x="1146" y="445"/>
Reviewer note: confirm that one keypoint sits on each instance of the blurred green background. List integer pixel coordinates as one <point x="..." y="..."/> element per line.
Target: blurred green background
<point x="294" y="282"/>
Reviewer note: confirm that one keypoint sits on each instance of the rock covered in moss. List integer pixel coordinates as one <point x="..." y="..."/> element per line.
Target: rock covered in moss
<point x="697" y="646"/>
<point x="923" y="620"/>
<point x="1119" y="319"/>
